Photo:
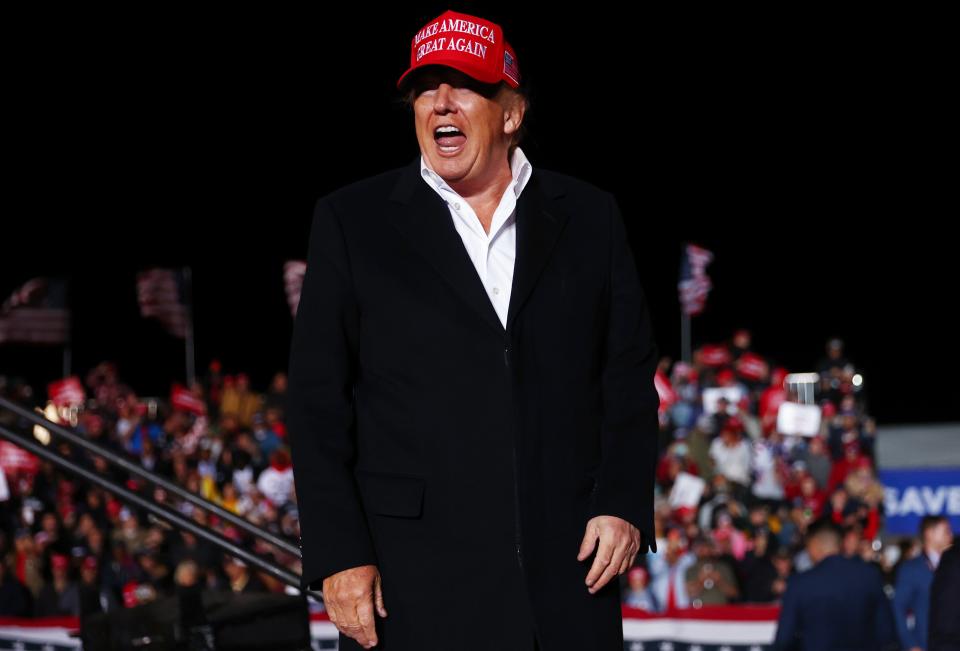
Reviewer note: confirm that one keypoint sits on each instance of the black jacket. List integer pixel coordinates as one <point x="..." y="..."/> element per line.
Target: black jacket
<point x="944" y="627"/>
<point x="447" y="450"/>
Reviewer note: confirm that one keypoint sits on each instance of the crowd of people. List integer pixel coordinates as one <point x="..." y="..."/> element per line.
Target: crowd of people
<point x="742" y="539"/>
<point x="63" y="540"/>
<point x="68" y="545"/>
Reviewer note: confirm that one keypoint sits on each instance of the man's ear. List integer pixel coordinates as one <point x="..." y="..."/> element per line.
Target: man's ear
<point x="514" y="114"/>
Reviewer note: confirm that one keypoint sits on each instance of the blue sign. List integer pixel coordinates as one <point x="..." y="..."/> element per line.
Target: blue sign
<point x="911" y="493"/>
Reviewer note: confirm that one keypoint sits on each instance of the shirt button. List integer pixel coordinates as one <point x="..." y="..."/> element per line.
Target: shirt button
<point x="457" y="206"/>
<point x="496" y="290"/>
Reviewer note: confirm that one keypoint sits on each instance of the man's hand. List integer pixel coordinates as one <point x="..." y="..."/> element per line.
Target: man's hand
<point x="349" y="597"/>
<point x="619" y="544"/>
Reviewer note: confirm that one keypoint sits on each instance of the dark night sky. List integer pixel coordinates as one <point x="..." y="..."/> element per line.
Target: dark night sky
<point x="802" y="153"/>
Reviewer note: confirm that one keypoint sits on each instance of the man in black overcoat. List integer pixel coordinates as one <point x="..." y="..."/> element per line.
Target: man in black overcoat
<point x="471" y="403"/>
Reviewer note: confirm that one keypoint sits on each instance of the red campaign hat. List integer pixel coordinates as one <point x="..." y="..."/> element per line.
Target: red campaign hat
<point x="732" y="423"/>
<point x="725" y="375"/>
<point x="472" y="45"/>
<point x="682" y="512"/>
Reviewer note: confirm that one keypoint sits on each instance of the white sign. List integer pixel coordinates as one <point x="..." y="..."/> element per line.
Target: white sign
<point x="687" y="490"/>
<point x="712" y="394"/>
<point x="794" y="418"/>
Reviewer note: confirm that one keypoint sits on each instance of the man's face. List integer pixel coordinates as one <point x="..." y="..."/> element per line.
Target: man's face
<point x="940" y="536"/>
<point x="484" y="114"/>
<point x="782" y="564"/>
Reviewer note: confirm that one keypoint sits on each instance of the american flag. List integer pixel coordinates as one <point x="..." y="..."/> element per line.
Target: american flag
<point x="36" y="313"/>
<point x="510" y="65"/>
<point x="182" y="398"/>
<point x="293" y="271"/>
<point x="161" y="294"/>
<point x="694" y="282"/>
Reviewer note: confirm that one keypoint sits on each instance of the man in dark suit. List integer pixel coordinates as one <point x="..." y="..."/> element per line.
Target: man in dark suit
<point x="912" y="591"/>
<point x="471" y="404"/>
<point x="944" y="625"/>
<point x="837" y="605"/>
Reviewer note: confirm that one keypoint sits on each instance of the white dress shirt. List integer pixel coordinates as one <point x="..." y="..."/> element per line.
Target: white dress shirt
<point x="493" y="255"/>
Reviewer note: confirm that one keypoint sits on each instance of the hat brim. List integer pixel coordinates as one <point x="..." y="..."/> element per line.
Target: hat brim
<point x="479" y="75"/>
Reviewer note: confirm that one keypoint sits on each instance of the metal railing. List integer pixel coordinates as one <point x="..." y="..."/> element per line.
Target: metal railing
<point x="161" y="511"/>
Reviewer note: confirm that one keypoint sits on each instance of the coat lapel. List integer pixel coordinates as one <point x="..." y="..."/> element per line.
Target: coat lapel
<point x="423" y="218"/>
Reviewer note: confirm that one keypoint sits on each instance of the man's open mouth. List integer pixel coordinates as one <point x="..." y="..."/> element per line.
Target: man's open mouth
<point x="449" y="138"/>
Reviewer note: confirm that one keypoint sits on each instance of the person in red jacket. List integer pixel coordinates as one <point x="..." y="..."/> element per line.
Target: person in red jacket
<point x="851" y="460"/>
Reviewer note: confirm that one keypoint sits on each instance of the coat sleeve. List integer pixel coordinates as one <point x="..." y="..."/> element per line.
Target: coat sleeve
<point x="886" y="630"/>
<point x="630" y="430"/>
<point x="319" y="408"/>
<point x="904" y="599"/>
<point x="787" y="637"/>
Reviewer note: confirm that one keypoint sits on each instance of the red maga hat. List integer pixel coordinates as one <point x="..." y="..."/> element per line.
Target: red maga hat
<point x="470" y="44"/>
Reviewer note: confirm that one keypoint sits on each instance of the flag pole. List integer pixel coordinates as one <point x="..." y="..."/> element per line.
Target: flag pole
<point x="67" y="355"/>
<point x="188" y="299"/>
<point x="68" y="344"/>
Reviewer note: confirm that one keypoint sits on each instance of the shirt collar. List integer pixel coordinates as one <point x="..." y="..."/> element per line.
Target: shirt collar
<point x="519" y="165"/>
